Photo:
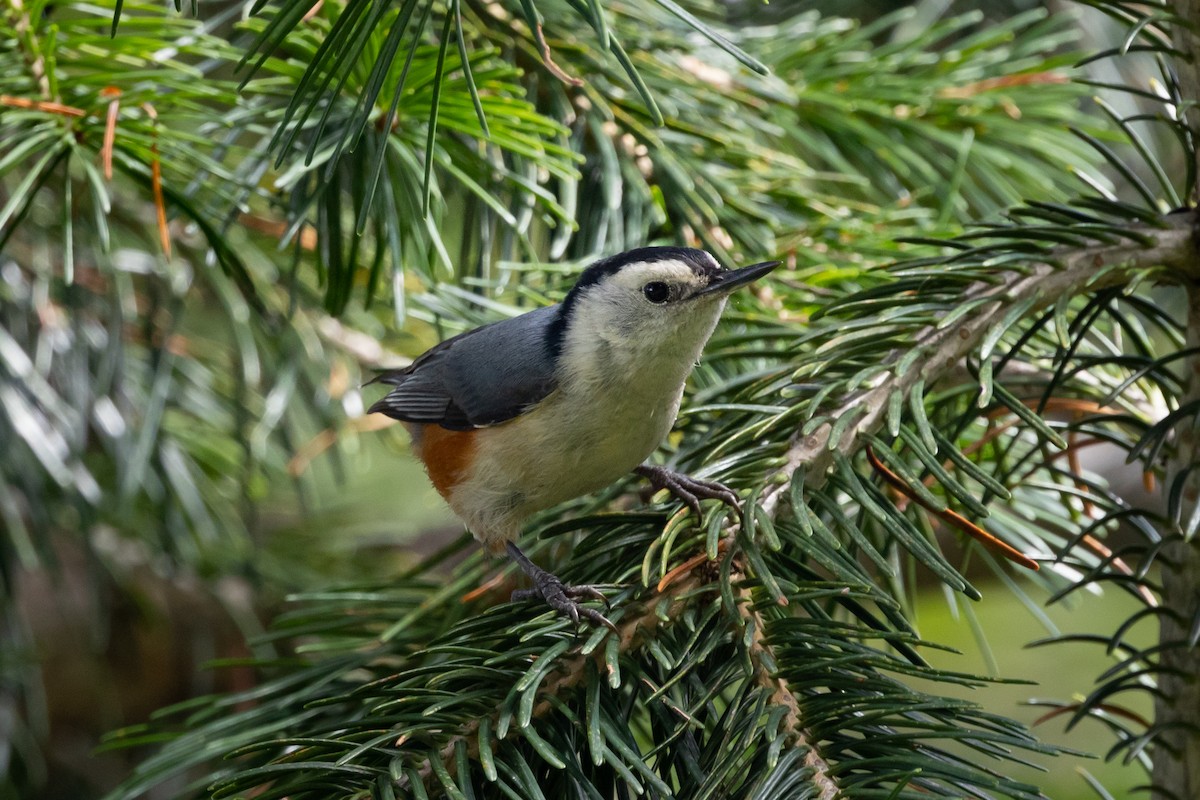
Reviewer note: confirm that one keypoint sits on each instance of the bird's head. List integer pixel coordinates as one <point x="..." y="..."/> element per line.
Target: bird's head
<point x="657" y="301"/>
<point x="654" y="294"/>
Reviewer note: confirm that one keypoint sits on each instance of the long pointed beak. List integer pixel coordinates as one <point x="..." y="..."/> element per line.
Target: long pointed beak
<point x="729" y="280"/>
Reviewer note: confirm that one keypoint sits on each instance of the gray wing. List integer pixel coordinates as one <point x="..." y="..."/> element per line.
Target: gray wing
<point x="478" y="378"/>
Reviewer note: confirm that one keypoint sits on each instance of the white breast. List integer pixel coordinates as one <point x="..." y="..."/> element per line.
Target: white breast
<point x="615" y="403"/>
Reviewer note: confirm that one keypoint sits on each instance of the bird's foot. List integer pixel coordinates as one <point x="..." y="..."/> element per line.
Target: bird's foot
<point x="556" y="594"/>
<point x="688" y="489"/>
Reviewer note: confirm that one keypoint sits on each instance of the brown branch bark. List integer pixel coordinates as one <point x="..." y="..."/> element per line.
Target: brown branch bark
<point x="762" y="654"/>
<point x="28" y="42"/>
<point x="1177" y="707"/>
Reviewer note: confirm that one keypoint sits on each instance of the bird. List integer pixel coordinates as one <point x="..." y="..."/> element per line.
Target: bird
<point x="519" y="415"/>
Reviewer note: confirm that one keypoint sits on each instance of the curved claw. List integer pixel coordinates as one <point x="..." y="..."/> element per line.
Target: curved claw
<point x="557" y="595"/>
<point x="688" y="489"/>
<point x="582" y="592"/>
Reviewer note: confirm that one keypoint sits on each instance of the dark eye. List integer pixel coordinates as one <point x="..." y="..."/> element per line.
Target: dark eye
<point x="656" y="291"/>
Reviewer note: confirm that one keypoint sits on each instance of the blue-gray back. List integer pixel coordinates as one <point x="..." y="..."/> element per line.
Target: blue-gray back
<point x="482" y="377"/>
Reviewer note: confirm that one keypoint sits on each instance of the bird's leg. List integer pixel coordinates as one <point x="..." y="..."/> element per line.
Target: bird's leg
<point x="688" y="489"/>
<point x="557" y="595"/>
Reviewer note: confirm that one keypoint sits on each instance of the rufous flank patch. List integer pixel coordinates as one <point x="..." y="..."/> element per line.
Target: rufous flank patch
<point x="447" y="455"/>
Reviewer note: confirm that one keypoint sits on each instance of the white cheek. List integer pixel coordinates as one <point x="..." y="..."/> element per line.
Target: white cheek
<point x="619" y="350"/>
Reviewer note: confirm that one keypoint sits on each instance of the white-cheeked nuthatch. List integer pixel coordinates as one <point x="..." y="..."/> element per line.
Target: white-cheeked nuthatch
<point x="514" y="417"/>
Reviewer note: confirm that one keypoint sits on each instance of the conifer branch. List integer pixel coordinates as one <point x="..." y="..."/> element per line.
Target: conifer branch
<point x="1065" y="272"/>
<point x="28" y="43"/>
<point x="636" y="629"/>
<point x="762" y="655"/>
<point x="570" y="672"/>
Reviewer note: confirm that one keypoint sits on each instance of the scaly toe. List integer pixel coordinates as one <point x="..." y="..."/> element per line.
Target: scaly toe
<point x="560" y="597"/>
<point x="689" y="490"/>
<point x="585" y="592"/>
